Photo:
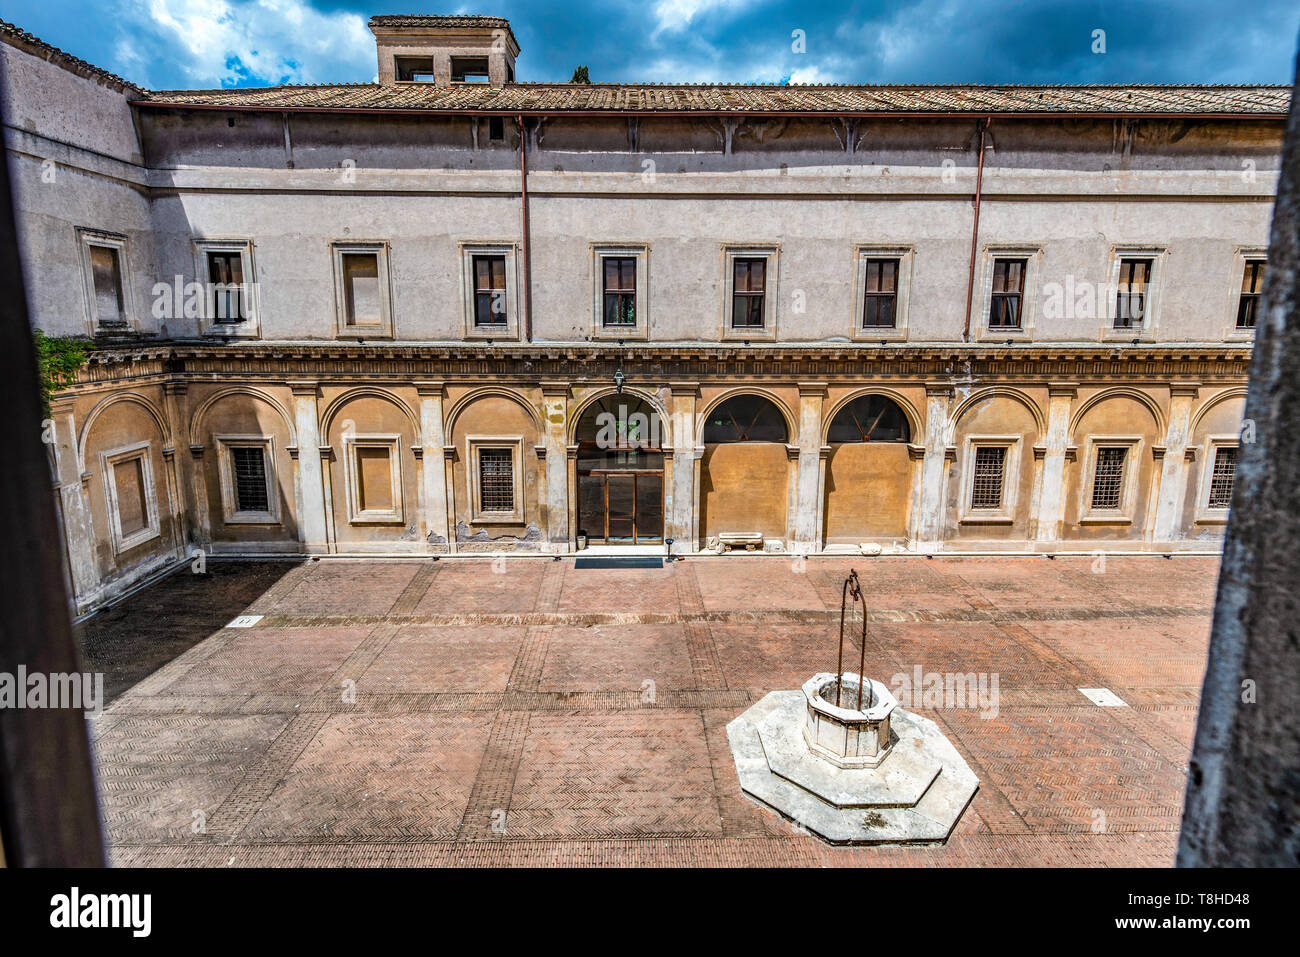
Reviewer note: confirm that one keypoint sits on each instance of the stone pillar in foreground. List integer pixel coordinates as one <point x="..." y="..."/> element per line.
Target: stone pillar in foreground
<point x="311" y="523"/>
<point x="808" y="512"/>
<point x="1173" y="470"/>
<point x="1243" y="789"/>
<point x="555" y="409"/>
<point x="1051" y="506"/>
<point x="934" y="464"/>
<point x="435" y="475"/>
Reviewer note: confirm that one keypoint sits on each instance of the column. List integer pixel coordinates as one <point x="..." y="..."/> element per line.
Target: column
<point x="1051" y="507"/>
<point x="807" y="528"/>
<point x="311" y="522"/>
<point x="69" y="474"/>
<point x="679" y="520"/>
<point x="432" y="440"/>
<point x="1173" y="470"/>
<point x="934" y="467"/>
<point x="175" y="408"/>
<point x="555" y="462"/>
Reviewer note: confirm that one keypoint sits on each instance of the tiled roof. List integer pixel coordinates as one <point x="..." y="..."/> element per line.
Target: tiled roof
<point x="399" y="21"/>
<point x="434" y="20"/>
<point x="20" y="38"/>
<point x="749" y="98"/>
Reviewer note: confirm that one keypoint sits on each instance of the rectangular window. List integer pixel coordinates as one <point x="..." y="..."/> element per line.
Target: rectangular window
<point x="1252" y="281"/>
<point x="881" y="295"/>
<point x="986" y="487"/>
<point x="413" y="69"/>
<point x="1133" y="293"/>
<point x="130" y="496"/>
<point x="469" y="69"/>
<point x="226" y="274"/>
<point x="748" y="289"/>
<point x="374" y="478"/>
<point x="106" y="275"/>
<point x="1008" y="291"/>
<point x="132" y="508"/>
<point x="1108" y="478"/>
<point x="1222" y="477"/>
<point x="620" y="290"/>
<point x="362" y="303"/>
<point x="489" y="290"/>
<point x="496" y="128"/>
<point x="249" y="465"/>
<point x="496" y="480"/>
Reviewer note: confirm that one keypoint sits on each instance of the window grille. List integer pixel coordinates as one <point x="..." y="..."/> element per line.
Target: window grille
<point x="250" y="479"/>
<point x="496" y="480"/>
<point x="1108" y="479"/>
<point x="1222" y="476"/>
<point x="986" y="488"/>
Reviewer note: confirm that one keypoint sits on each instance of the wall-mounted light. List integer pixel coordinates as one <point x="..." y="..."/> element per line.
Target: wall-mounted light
<point x="618" y="380"/>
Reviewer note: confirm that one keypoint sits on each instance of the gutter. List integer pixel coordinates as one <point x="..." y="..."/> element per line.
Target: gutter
<point x="975" y="230"/>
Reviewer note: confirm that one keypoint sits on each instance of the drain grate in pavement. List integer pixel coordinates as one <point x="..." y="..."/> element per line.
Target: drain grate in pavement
<point x="629" y="562"/>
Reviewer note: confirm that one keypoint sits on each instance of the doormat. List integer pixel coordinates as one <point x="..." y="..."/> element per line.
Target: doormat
<point x="631" y="561"/>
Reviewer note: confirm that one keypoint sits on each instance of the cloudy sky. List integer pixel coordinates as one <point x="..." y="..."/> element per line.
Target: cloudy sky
<point x="164" y="44"/>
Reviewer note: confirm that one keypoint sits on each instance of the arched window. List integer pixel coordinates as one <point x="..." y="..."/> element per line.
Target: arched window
<point x="869" y="418"/>
<point x="745" y="418"/>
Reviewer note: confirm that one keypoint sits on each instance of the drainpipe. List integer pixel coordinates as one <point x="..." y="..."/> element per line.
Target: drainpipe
<point x="975" y="230"/>
<point x="526" y="287"/>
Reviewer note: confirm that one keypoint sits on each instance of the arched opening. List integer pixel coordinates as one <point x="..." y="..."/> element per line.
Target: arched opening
<point x="868" y="472"/>
<point x="621" y="472"/>
<point x="745" y="470"/>
<point x="745" y="418"/>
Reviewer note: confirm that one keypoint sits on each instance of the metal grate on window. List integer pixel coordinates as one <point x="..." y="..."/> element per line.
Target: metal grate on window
<point x="496" y="480"/>
<point x="986" y="488"/>
<point x="1108" y="480"/>
<point x="1223" y="475"/>
<point x="250" y="479"/>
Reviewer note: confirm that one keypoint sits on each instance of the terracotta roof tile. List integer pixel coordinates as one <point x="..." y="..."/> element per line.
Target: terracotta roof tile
<point x="745" y="98"/>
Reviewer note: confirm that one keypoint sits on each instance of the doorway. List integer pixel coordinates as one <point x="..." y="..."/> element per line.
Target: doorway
<point x="620" y="473"/>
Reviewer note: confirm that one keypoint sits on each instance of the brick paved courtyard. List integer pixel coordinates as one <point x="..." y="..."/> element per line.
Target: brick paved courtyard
<point x="548" y="715"/>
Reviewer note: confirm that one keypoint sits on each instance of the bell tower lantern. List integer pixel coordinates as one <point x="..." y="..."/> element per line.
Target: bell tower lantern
<point x="444" y="50"/>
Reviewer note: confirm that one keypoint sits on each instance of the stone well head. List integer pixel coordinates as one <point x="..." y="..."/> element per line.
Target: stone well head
<point x="840" y="733"/>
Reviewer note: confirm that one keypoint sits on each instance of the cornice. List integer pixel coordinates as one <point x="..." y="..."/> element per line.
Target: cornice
<point x="937" y="366"/>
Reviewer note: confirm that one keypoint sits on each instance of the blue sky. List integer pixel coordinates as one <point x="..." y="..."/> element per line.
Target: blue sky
<point x="209" y="43"/>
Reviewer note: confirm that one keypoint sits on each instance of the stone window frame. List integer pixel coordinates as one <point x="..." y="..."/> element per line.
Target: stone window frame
<point x="1124" y="515"/>
<point x="905" y="254"/>
<point x="1155" y="288"/>
<point x="641" y="253"/>
<point x="230" y="512"/>
<point x="1032" y="253"/>
<point x="1005" y="514"/>
<point x="108" y="461"/>
<point x="473" y="443"/>
<point x="88" y="238"/>
<point x="1241" y="256"/>
<point x="509" y="249"/>
<point x="1204" y="514"/>
<point x="249" y="328"/>
<point x="771" y="290"/>
<point x="380" y="249"/>
<point x="356" y="515"/>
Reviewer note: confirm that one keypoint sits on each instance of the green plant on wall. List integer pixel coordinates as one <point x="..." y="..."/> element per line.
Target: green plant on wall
<point x="60" y="358"/>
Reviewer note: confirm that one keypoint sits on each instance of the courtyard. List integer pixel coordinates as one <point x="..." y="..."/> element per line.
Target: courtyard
<point x="532" y="712"/>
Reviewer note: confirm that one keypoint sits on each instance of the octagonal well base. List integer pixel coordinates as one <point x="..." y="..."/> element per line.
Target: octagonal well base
<point x="916" y="796"/>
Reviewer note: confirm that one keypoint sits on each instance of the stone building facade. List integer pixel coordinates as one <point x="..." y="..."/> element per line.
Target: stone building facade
<point x="451" y="312"/>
